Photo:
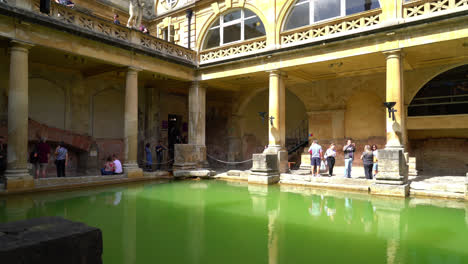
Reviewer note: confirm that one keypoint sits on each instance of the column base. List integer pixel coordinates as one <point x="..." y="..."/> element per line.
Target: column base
<point x="18" y="179"/>
<point x="263" y="178"/>
<point x="390" y="189"/>
<point x="132" y="170"/>
<point x="466" y="192"/>
<point x="264" y="169"/>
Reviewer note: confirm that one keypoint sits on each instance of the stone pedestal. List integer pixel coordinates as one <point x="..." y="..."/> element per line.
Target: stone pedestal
<point x="264" y="169"/>
<point x="189" y="157"/>
<point x="305" y="167"/>
<point x="392" y="179"/>
<point x="412" y="167"/>
<point x="283" y="161"/>
<point x="466" y="188"/>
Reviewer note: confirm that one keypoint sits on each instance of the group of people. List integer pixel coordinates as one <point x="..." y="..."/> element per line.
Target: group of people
<point x="112" y="166"/>
<point x="369" y="158"/>
<point x="65" y="3"/>
<point x="40" y="156"/>
<point x="159" y="149"/>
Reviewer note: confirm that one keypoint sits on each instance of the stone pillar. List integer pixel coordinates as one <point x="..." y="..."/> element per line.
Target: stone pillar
<point x="131" y="125"/>
<point x="394" y="93"/>
<point x="277" y="119"/>
<point x="197" y="110"/>
<point x="17" y="175"/>
<point x="466" y="194"/>
<point x="392" y="178"/>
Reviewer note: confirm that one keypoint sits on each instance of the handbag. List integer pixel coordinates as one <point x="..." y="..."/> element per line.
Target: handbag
<point x="322" y="166"/>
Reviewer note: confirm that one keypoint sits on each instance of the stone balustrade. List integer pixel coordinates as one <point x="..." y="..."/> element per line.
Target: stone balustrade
<point x="233" y="50"/>
<point x="421" y="8"/>
<point x="346" y="24"/>
<point x="107" y="29"/>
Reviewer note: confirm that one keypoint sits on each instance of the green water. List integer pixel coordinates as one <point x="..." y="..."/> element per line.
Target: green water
<point x="219" y="222"/>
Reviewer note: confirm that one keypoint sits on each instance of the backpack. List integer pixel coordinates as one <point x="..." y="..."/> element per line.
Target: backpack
<point x="33" y="157"/>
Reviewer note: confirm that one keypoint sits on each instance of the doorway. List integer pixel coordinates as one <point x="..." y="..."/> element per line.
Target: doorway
<point x="174" y="132"/>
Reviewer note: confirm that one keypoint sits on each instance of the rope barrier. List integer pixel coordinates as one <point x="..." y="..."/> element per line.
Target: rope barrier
<point x="228" y="162"/>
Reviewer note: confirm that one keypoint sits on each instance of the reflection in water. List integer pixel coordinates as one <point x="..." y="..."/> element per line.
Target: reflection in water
<point x="214" y="222"/>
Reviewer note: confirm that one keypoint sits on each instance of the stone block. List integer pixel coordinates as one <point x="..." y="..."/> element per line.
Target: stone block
<point x="392" y="166"/>
<point x="390" y="189"/>
<point x="412" y="171"/>
<point x="235" y="173"/>
<point x="263" y="179"/>
<point x="283" y="161"/>
<point x="19" y="183"/>
<point x="192" y="173"/>
<point x="51" y="240"/>
<point x="189" y="157"/>
<point x="265" y="163"/>
<point x="135" y="173"/>
<point x="305" y="162"/>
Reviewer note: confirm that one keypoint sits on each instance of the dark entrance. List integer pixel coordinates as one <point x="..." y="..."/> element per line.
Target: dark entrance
<point x="174" y="131"/>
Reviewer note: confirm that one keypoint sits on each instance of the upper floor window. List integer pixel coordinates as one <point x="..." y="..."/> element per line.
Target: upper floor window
<point x="237" y="25"/>
<point x="307" y="12"/>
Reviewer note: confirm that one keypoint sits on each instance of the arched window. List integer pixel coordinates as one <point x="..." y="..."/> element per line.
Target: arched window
<point x="237" y="25"/>
<point x="307" y="12"/>
<point x="446" y="94"/>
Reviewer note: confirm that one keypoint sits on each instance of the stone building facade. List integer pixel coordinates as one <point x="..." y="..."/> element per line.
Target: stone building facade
<point x="208" y="70"/>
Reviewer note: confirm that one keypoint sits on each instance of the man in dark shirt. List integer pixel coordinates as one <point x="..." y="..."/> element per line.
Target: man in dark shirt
<point x="349" y="150"/>
<point x="159" y="154"/>
<point x="43" y="153"/>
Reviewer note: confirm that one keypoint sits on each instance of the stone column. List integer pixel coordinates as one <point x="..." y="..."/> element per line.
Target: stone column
<point x="392" y="178"/>
<point x="197" y="110"/>
<point x="277" y="119"/>
<point x="131" y="125"/>
<point x="17" y="175"/>
<point x="394" y="93"/>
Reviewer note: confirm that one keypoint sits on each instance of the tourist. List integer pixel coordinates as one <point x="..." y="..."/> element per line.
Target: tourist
<point x="375" y="167"/>
<point x="109" y="167"/>
<point x="65" y="3"/>
<point x="159" y="154"/>
<point x="144" y="29"/>
<point x="117" y="165"/>
<point x="43" y="153"/>
<point x="3" y="154"/>
<point x="149" y="157"/>
<point x="116" y="19"/>
<point x="34" y="160"/>
<point x="316" y="155"/>
<point x="330" y="156"/>
<point x="61" y="159"/>
<point x="368" y="161"/>
<point x="349" y="150"/>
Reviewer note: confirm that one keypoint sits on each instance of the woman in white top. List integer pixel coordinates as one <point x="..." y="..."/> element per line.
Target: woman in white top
<point x="330" y="155"/>
<point x="375" y="166"/>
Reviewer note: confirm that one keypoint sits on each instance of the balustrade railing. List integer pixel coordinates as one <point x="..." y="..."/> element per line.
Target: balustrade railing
<point x="233" y="50"/>
<point x="426" y="7"/>
<point x="324" y="29"/>
<point x="297" y="137"/>
<point x="107" y="28"/>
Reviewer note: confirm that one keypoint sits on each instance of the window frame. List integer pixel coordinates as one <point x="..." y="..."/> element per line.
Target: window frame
<point x="222" y="25"/>
<point x="312" y="10"/>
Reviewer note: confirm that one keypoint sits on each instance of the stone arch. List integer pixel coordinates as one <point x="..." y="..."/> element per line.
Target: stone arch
<point x="414" y="85"/>
<point x="253" y="131"/>
<point x="364" y="116"/>
<point x="107" y="113"/>
<point x="47" y="102"/>
<point x="214" y="15"/>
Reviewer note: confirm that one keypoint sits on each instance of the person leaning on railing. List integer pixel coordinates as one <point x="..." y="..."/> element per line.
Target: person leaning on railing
<point x="65" y="3"/>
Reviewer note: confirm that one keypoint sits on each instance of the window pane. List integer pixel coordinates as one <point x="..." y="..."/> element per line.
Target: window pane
<point x="253" y="28"/>
<point x="212" y="39"/>
<point x="356" y="6"/>
<point x="232" y="16"/>
<point x="325" y="9"/>
<point x="232" y="33"/>
<point x="299" y="17"/>
<point x="248" y="13"/>
<point x="216" y="23"/>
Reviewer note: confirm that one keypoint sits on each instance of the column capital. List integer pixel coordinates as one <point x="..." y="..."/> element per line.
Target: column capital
<point x="18" y="45"/>
<point x="132" y="69"/>
<point x="394" y="53"/>
<point x="277" y="72"/>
